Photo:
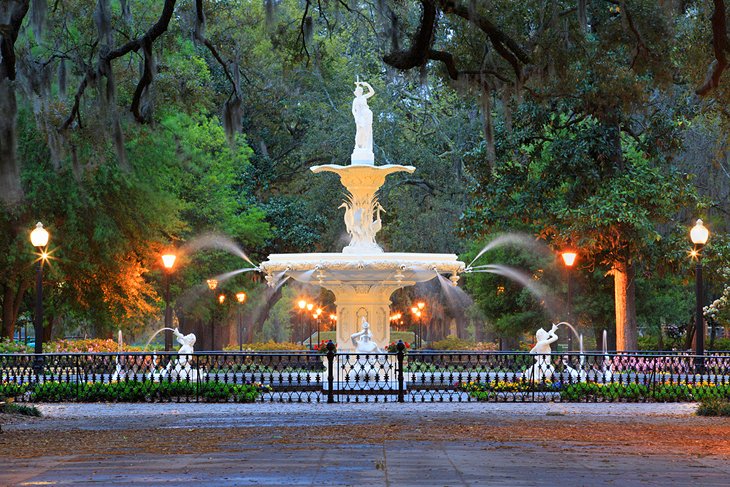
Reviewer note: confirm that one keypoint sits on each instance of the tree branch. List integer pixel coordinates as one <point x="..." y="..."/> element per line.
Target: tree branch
<point x="417" y="54"/>
<point x="9" y="34"/>
<point x="145" y="41"/>
<point x="720" y="45"/>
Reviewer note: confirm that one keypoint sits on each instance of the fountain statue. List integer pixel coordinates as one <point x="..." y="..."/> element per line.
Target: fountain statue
<point x="363" y="276"/>
<point x="542" y="369"/>
<point x="182" y="369"/>
<point x="363" y="152"/>
<point x="363" y="340"/>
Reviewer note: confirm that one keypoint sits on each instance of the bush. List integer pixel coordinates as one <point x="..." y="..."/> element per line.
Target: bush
<point x="720" y="344"/>
<point x="12" y="408"/>
<point x="132" y="391"/>
<point x="10" y="346"/>
<point x="714" y="406"/>
<point x="455" y="343"/>
<point x="648" y="342"/>
<point x="674" y="392"/>
<point x="267" y="346"/>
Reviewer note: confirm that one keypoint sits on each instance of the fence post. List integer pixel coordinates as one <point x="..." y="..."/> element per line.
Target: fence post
<point x="400" y="347"/>
<point x="330" y="371"/>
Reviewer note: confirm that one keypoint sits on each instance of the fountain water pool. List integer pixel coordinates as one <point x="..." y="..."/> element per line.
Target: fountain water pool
<point x="363" y="276"/>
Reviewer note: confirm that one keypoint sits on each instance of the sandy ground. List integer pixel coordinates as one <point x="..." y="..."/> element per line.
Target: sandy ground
<point x="359" y="444"/>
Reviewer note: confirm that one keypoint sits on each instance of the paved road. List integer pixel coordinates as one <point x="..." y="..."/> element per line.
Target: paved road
<point x="367" y="444"/>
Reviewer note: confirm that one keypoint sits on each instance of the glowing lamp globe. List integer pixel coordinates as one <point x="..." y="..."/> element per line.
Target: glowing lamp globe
<point x="168" y="260"/>
<point x="241" y="297"/>
<point x="699" y="233"/>
<point x="212" y="284"/>
<point x="310" y="306"/>
<point x="302" y="304"/>
<point x="222" y="298"/>
<point x="569" y="258"/>
<point x="39" y="236"/>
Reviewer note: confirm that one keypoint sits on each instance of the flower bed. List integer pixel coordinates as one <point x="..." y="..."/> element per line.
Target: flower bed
<point x="132" y="391"/>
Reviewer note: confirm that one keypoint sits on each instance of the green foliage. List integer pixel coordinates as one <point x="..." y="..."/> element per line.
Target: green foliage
<point x="20" y="409"/>
<point x="713" y="406"/>
<point x="661" y="392"/>
<point x="452" y="342"/>
<point x="9" y="346"/>
<point x="269" y="346"/>
<point x="132" y="391"/>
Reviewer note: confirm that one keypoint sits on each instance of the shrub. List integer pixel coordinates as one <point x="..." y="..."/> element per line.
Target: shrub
<point x="10" y="346"/>
<point x="267" y="346"/>
<point x="393" y="347"/>
<point x="714" y="406"/>
<point x="133" y="391"/>
<point x="455" y="343"/>
<point x="12" y="408"/>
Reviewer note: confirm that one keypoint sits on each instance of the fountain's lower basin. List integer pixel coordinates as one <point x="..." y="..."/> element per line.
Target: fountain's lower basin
<point x="362" y="283"/>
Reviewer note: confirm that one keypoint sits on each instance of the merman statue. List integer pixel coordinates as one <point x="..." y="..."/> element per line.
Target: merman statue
<point x="363" y="340"/>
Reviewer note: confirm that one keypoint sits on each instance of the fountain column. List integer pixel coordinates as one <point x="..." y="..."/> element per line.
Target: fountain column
<point x="355" y="301"/>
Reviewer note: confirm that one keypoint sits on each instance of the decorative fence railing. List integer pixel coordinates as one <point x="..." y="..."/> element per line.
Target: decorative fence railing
<point x="416" y="376"/>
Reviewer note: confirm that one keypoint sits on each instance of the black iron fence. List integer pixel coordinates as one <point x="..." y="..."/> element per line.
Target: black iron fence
<point x="416" y="376"/>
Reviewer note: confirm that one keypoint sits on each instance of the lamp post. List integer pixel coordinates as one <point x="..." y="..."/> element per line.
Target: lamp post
<point x="699" y="236"/>
<point x="418" y="313"/>
<point x="212" y="285"/>
<point x="569" y="256"/>
<point x="302" y="306"/>
<point x="317" y="315"/>
<point x="241" y="298"/>
<point x="333" y="322"/>
<point x="421" y="305"/>
<point x="39" y="239"/>
<point x="310" y="307"/>
<point x="168" y="261"/>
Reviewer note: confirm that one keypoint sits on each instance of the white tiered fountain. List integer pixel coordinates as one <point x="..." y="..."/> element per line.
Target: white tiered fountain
<point x="363" y="276"/>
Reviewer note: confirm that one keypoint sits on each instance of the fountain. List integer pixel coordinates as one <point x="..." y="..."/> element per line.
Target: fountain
<point x="363" y="276"/>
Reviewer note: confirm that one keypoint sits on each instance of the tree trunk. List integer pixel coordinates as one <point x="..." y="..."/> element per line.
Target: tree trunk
<point x="625" y="302"/>
<point x="8" y="329"/>
<point x="12" y="298"/>
<point x="12" y="13"/>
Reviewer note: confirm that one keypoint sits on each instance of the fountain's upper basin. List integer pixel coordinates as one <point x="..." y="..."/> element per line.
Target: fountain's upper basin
<point x="378" y="268"/>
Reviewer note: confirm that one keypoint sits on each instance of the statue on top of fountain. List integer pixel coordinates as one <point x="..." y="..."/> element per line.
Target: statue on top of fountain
<point x="542" y="369"/>
<point x="363" y="152"/>
<point x="363" y="340"/>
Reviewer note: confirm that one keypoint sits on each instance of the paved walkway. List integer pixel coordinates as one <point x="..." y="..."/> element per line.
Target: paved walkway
<point x="367" y="444"/>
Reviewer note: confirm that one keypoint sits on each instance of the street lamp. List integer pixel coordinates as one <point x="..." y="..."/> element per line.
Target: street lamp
<point x="418" y="312"/>
<point x="212" y="285"/>
<point x="241" y="298"/>
<point x="316" y="316"/>
<point x="302" y="306"/>
<point x="39" y="239"/>
<point x="569" y="255"/>
<point x="421" y="305"/>
<point x="699" y="236"/>
<point x="168" y="261"/>
<point x="310" y="307"/>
